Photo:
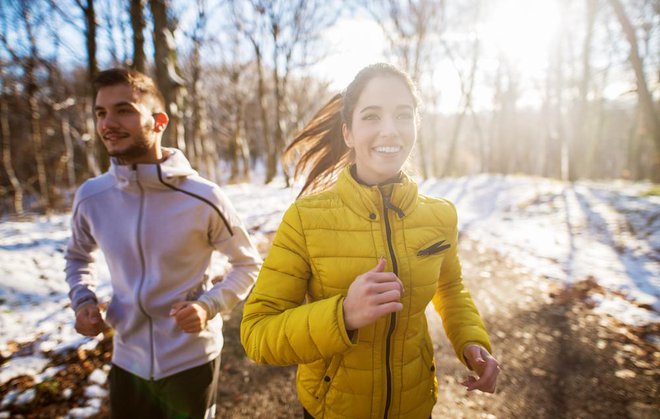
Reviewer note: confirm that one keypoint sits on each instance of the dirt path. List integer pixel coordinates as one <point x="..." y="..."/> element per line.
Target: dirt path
<point x="560" y="360"/>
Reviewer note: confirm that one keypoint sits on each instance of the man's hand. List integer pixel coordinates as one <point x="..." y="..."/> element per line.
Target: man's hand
<point x="372" y="295"/>
<point x="88" y="320"/>
<point x="190" y="316"/>
<point x="486" y="367"/>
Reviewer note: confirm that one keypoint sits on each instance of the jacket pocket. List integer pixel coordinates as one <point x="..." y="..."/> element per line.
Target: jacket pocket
<point x="327" y="378"/>
<point x="428" y="359"/>
<point x="430" y="386"/>
<point x="434" y="248"/>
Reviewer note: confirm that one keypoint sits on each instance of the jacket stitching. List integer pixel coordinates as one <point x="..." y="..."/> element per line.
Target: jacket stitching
<point x="194" y="195"/>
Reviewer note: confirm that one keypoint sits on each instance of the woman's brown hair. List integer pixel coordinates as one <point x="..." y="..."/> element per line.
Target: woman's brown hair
<point x="320" y="144"/>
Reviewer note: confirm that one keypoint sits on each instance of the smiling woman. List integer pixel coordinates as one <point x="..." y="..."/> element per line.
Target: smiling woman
<point x="356" y="260"/>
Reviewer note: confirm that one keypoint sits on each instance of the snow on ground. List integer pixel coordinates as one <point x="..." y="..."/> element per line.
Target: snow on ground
<point x="568" y="232"/>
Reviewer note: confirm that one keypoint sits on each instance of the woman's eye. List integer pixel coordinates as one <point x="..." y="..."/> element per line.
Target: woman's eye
<point x="404" y="116"/>
<point x="370" y="117"/>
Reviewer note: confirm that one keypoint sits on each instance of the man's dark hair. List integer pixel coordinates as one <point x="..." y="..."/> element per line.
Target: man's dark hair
<point x="136" y="80"/>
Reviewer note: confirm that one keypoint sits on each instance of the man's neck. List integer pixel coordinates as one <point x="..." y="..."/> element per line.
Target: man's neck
<point x="158" y="156"/>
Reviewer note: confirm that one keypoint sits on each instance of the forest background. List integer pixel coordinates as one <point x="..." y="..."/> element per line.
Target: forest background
<point x="552" y="88"/>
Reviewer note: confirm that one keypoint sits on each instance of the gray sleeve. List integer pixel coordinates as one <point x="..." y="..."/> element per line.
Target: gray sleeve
<point x="79" y="266"/>
<point x="232" y="240"/>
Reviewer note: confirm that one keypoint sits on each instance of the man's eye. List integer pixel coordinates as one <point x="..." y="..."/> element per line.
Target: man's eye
<point x="100" y="115"/>
<point x="124" y="111"/>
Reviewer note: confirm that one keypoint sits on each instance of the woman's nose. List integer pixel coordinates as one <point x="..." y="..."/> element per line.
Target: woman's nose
<point x="389" y="126"/>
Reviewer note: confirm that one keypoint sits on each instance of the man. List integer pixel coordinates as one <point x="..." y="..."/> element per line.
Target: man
<point x="157" y="222"/>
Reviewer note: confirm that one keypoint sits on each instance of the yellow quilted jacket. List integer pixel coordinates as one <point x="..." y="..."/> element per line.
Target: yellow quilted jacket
<point x="294" y="314"/>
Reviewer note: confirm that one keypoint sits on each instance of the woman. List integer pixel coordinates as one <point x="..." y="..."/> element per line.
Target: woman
<point x="343" y="290"/>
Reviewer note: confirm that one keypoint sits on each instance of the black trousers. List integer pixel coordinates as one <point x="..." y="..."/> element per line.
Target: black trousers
<point x="190" y="394"/>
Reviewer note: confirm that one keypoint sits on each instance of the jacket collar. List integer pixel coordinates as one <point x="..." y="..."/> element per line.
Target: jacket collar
<point x="369" y="201"/>
<point x="153" y="176"/>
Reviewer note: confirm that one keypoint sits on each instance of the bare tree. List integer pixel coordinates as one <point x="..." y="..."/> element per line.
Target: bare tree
<point x="282" y="30"/>
<point x="467" y="88"/>
<point x="97" y="159"/>
<point x="412" y="29"/>
<point x="7" y="158"/>
<point x="648" y="108"/>
<point x="31" y="89"/>
<point x="239" y="151"/>
<point x="167" y="72"/>
<point x="201" y="149"/>
<point x="138" y="24"/>
<point x="255" y="32"/>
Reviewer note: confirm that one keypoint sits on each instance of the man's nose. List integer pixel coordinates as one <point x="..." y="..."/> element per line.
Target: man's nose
<point x="108" y="121"/>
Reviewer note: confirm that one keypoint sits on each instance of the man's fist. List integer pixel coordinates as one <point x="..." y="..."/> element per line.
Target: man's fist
<point x="190" y="316"/>
<point x="88" y="320"/>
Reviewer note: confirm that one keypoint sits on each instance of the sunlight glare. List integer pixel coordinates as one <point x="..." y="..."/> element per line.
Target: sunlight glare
<point x="523" y="31"/>
<point x="354" y="44"/>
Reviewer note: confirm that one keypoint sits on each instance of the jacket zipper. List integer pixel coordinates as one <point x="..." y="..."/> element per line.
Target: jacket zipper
<point x="390" y="332"/>
<point x="142" y="277"/>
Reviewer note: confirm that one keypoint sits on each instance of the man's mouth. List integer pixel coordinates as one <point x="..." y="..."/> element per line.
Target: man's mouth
<point x="114" y="136"/>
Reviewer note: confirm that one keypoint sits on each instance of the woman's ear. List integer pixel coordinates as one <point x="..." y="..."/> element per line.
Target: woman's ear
<point x="160" y="121"/>
<point x="348" y="139"/>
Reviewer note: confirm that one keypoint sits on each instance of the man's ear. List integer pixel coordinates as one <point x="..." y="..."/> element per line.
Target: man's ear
<point x="160" y="121"/>
<point x="348" y="140"/>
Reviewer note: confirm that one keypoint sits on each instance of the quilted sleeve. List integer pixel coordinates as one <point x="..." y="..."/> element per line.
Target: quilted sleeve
<point x="460" y="317"/>
<point x="278" y="327"/>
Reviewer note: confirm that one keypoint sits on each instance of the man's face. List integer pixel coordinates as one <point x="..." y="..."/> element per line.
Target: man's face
<point x="126" y="125"/>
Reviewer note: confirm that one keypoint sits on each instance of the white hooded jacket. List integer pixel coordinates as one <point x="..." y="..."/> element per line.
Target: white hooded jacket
<point x="157" y="226"/>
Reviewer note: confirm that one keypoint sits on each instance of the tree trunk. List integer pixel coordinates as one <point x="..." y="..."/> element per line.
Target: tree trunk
<point x="647" y="106"/>
<point x="7" y="156"/>
<point x="90" y="141"/>
<point x="92" y="70"/>
<point x="467" y="104"/>
<point x="261" y="92"/>
<point x="167" y="77"/>
<point x="138" y="24"/>
<point x="69" y="153"/>
<point x="583" y="121"/>
<point x="90" y="40"/>
<point x="31" y="89"/>
<point x="271" y="167"/>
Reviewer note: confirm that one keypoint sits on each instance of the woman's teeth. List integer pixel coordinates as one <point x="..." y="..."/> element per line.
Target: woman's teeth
<point x="387" y="149"/>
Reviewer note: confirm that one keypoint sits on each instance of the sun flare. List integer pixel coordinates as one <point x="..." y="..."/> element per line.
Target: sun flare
<point x="523" y="31"/>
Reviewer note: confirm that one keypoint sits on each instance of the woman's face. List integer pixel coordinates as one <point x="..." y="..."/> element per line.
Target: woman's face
<point x="384" y="129"/>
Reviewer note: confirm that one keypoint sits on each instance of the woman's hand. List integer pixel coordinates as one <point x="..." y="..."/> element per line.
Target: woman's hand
<point x="190" y="316"/>
<point x="486" y="367"/>
<point x="372" y="295"/>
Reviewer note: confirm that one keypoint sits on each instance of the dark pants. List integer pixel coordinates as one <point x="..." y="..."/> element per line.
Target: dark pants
<point x="188" y="394"/>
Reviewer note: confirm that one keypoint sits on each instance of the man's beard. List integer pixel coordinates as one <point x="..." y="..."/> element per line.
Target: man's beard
<point x="138" y="148"/>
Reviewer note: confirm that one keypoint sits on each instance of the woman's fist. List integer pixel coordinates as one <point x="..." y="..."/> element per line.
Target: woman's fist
<point x="372" y="295"/>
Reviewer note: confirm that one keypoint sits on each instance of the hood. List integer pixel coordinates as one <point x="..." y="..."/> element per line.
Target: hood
<point x="174" y="169"/>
